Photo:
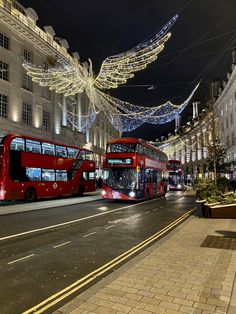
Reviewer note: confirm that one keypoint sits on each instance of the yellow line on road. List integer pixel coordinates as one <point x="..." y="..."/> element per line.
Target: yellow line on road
<point x="61" y="295"/>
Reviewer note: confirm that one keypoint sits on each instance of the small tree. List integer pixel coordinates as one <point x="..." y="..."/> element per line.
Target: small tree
<point x="215" y="157"/>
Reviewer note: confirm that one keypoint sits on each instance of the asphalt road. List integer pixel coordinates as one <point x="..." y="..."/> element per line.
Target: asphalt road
<point x="44" y="251"/>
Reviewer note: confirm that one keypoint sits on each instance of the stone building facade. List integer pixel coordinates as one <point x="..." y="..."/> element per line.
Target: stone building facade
<point x="190" y="146"/>
<point x="27" y="108"/>
<point x="225" y="106"/>
<point x="217" y="120"/>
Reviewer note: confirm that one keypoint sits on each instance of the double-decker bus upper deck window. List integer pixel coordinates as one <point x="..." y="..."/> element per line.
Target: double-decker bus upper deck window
<point x="89" y="155"/>
<point x="33" y="146"/>
<point x="121" y="148"/>
<point x="140" y="149"/>
<point x="48" y="175"/>
<point x="48" y="149"/>
<point x="33" y="174"/>
<point x="61" y="151"/>
<point x="61" y="175"/>
<point x="72" y="152"/>
<point x="163" y="157"/>
<point x="18" y="143"/>
<point x="81" y="154"/>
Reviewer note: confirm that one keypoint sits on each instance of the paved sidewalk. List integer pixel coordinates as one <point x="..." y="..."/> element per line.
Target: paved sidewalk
<point x="191" y="270"/>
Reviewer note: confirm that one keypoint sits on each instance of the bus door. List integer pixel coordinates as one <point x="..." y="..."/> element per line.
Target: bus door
<point x="1" y="159"/>
<point x="151" y="187"/>
<point x="89" y="179"/>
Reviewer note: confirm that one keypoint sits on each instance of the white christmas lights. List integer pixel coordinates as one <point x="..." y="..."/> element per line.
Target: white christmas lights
<point x="71" y="78"/>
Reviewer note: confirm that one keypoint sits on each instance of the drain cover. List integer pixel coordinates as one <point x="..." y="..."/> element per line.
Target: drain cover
<point x="218" y="242"/>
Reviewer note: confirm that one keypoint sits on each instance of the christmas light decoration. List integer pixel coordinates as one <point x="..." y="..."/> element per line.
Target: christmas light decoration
<point x="176" y="144"/>
<point x="70" y="78"/>
<point x="124" y="116"/>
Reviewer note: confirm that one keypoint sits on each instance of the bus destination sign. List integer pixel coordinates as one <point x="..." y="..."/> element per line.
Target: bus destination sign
<point x="119" y="161"/>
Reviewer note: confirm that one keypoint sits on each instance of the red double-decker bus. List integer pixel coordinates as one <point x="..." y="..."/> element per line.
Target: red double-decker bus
<point x="176" y="175"/>
<point x="133" y="170"/>
<point x="32" y="168"/>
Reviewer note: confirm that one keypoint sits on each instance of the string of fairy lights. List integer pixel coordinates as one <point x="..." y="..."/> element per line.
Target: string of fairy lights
<point x="71" y="78"/>
<point x="178" y="145"/>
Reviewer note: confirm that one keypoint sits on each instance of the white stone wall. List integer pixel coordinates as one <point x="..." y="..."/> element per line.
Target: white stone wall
<point x="225" y="107"/>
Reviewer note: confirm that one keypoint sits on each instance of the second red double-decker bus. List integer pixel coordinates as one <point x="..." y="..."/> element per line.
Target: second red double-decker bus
<point x="133" y="170"/>
<point x="32" y="168"/>
<point x="176" y="175"/>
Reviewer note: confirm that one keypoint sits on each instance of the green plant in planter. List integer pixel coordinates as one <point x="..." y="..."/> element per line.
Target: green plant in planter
<point x="229" y="199"/>
<point x="214" y="198"/>
<point x="205" y="189"/>
<point x="223" y="185"/>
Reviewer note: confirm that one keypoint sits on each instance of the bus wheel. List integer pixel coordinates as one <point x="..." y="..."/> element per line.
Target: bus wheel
<point x="30" y="195"/>
<point x="81" y="191"/>
<point x="147" y="196"/>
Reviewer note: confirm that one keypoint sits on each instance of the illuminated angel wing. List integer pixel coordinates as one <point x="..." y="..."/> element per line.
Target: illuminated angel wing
<point x="67" y="79"/>
<point x="115" y="70"/>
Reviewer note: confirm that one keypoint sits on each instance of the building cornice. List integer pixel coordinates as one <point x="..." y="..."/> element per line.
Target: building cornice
<point x="24" y="27"/>
<point x="227" y="87"/>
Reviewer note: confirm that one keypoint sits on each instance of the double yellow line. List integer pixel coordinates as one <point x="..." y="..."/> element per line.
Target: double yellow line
<point x="66" y="292"/>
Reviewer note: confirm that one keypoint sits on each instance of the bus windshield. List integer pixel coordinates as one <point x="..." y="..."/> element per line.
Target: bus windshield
<point x="120" y="178"/>
<point x="121" y="148"/>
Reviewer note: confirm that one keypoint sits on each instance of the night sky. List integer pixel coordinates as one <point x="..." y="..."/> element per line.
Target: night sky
<point x="200" y="46"/>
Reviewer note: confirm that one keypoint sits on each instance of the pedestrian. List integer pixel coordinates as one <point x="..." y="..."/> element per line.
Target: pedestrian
<point x="99" y="183"/>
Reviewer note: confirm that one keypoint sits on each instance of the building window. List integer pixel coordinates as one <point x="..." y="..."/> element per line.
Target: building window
<point x="3" y="106"/>
<point x="46" y="93"/>
<point x="27" y="83"/>
<point x="4" y="71"/>
<point x="28" y="55"/>
<point x="46" y="120"/>
<point x="26" y="114"/>
<point x="227" y="123"/>
<point x="4" y="41"/>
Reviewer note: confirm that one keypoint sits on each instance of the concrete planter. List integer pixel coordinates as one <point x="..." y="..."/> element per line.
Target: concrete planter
<point x="223" y="211"/>
<point x="217" y="210"/>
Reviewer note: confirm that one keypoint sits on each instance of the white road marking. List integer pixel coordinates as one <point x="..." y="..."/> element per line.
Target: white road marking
<point x="147" y="212"/>
<point x="87" y="235"/>
<point x="62" y="244"/>
<point x="20" y="259"/>
<point x="68" y="222"/>
<point x="162" y="206"/>
<point x="155" y="209"/>
<point x="82" y="282"/>
<point x="110" y="227"/>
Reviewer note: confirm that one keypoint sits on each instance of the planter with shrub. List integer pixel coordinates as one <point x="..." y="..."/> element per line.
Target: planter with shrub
<point x="216" y="202"/>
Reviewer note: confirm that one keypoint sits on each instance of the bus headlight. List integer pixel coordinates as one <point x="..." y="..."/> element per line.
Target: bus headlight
<point x="2" y="193"/>
<point x="132" y="194"/>
<point x="179" y="186"/>
<point x="103" y="192"/>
